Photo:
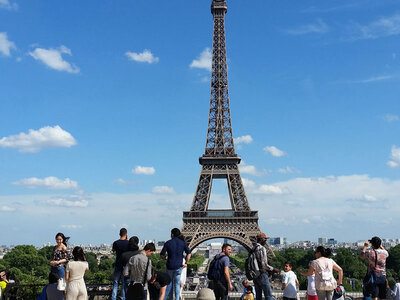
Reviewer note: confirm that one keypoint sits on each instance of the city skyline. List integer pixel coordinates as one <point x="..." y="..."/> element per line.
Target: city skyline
<point x="105" y="109"/>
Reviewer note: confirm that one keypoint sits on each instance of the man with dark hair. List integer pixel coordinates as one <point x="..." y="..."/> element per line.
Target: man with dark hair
<point x="261" y="283"/>
<point x="377" y="263"/>
<point x="139" y="270"/>
<point x="221" y="283"/>
<point x="175" y="248"/>
<point x="119" y="247"/>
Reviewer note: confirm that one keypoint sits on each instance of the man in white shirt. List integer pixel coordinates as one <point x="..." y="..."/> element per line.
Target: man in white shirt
<point x="289" y="283"/>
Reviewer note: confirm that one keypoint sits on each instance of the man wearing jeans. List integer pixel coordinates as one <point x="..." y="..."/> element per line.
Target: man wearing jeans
<point x="119" y="247"/>
<point x="174" y="249"/>
<point x="261" y="283"/>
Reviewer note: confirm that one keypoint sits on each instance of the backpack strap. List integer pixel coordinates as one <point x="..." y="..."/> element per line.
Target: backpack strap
<point x="145" y="272"/>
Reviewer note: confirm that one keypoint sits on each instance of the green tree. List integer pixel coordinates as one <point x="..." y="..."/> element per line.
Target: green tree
<point x="92" y="261"/>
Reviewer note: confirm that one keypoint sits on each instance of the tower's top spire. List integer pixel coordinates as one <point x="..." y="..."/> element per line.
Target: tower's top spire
<point x="219" y="5"/>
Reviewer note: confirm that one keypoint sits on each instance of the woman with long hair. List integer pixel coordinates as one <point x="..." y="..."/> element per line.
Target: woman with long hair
<point x="323" y="267"/>
<point x="76" y="288"/>
<point x="60" y="255"/>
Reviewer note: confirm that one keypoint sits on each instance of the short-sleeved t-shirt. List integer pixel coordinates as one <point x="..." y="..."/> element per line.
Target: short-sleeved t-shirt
<point x="77" y="270"/>
<point x="119" y="246"/>
<point x="175" y="248"/>
<point x="290" y="279"/>
<point x="322" y="264"/>
<point x="311" y="290"/>
<point x="380" y="267"/>
<point x="223" y="261"/>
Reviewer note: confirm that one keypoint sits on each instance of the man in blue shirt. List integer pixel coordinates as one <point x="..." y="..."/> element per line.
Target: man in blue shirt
<point x="175" y="248"/>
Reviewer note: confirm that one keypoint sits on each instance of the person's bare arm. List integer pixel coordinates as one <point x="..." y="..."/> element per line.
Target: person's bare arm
<point x="162" y="292"/>
<point x="228" y="278"/>
<point x="340" y="271"/>
<point x="308" y="273"/>
<point x="187" y="260"/>
<point x="363" y="251"/>
<point x="283" y="286"/>
<point x="67" y="275"/>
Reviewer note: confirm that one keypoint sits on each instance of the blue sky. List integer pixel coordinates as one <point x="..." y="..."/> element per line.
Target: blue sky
<point x="104" y="110"/>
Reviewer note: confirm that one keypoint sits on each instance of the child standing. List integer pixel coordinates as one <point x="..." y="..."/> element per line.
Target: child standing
<point x="311" y="290"/>
<point x="289" y="283"/>
<point x="249" y="293"/>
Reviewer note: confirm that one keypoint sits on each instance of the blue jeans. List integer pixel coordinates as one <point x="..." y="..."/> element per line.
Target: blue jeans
<point x="59" y="270"/>
<point x="175" y="283"/>
<point x="124" y="283"/>
<point x="261" y="283"/>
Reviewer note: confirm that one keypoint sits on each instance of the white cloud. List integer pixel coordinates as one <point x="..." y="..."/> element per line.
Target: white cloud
<point x="318" y="27"/>
<point x="53" y="58"/>
<point x="144" y="170"/>
<point x="245" y="139"/>
<point x="268" y="189"/>
<point x="68" y="202"/>
<point x="146" y="56"/>
<point x="288" y="170"/>
<point x="6" y="45"/>
<point x="251" y="170"/>
<point x="395" y="158"/>
<point x="51" y="182"/>
<point x="383" y="27"/>
<point x="7" y="4"/>
<point x="373" y="79"/>
<point x="203" y="61"/>
<point x="35" y="140"/>
<point x="71" y="226"/>
<point x="274" y="151"/>
<point x="6" y="208"/>
<point x="248" y="184"/>
<point x="163" y="189"/>
<point x="389" y="118"/>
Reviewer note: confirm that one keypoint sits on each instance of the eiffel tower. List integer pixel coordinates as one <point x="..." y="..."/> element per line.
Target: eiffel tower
<point x="220" y="160"/>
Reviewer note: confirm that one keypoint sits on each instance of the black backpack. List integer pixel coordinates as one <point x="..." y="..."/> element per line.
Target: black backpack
<point x="215" y="270"/>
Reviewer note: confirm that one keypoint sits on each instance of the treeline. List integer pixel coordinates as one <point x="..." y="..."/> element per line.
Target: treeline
<point x="31" y="266"/>
<point x="354" y="269"/>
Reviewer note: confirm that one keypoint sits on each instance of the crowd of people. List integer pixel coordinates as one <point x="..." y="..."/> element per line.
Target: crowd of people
<point x="138" y="280"/>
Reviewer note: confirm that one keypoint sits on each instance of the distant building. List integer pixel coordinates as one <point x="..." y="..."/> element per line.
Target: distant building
<point x="322" y="241"/>
<point x="277" y="241"/>
<point x="332" y="242"/>
<point x="160" y="243"/>
<point x="215" y="248"/>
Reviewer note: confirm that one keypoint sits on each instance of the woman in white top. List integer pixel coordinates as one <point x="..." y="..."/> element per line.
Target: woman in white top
<point x="76" y="288"/>
<point x="323" y="267"/>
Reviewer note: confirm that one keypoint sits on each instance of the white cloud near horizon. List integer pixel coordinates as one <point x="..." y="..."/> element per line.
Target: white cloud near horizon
<point x="389" y="118"/>
<point x="6" y="45"/>
<point x="145" y="57"/>
<point x="6" y="208"/>
<point x="7" y="4"/>
<point x="244" y="139"/>
<point x="274" y="151"/>
<point x="71" y="226"/>
<point x="382" y="27"/>
<point x="320" y="27"/>
<point x="203" y="61"/>
<point x="68" y="202"/>
<point x="53" y="59"/>
<point x="163" y="189"/>
<point x="395" y="158"/>
<point x="52" y="183"/>
<point x="140" y="170"/>
<point x="35" y="140"/>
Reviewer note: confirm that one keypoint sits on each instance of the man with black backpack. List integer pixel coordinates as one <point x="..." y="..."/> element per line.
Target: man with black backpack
<point x="261" y="282"/>
<point x="218" y="273"/>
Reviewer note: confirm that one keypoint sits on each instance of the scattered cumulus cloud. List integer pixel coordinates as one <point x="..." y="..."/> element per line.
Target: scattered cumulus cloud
<point x="382" y="27"/>
<point x="53" y="58"/>
<point x="6" y="208"/>
<point x="274" y="151"/>
<point x="395" y="158"/>
<point x="244" y="139"/>
<point x="145" y="57"/>
<point x="268" y="190"/>
<point x="203" y="61"/>
<point x="319" y="27"/>
<point x="163" y="189"/>
<point x="389" y="118"/>
<point x="5" y="44"/>
<point x="140" y="170"/>
<point x="251" y="170"/>
<point x="52" y="183"/>
<point x="288" y="170"/>
<point x="7" y="4"/>
<point x="67" y="202"/>
<point x="35" y="140"/>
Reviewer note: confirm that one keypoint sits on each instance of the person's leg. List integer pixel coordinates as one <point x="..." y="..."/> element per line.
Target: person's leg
<point x="169" y="286"/>
<point x="61" y="271"/>
<point x="321" y="295"/>
<point x="117" y="275"/>
<point x="265" y="286"/>
<point x="177" y="283"/>
<point x="329" y="295"/>
<point x="257" y="286"/>
<point x="123" y="287"/>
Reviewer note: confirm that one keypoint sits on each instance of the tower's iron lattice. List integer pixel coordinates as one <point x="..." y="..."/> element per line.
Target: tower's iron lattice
<point x="220" y="160"/>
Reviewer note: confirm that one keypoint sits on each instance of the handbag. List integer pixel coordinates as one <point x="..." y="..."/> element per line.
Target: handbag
<point x="61" y="284"/>
<point x="135" y="290"/>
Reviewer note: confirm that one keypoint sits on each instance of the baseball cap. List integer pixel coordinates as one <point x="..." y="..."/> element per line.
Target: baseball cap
<point x="262" y="235"/>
